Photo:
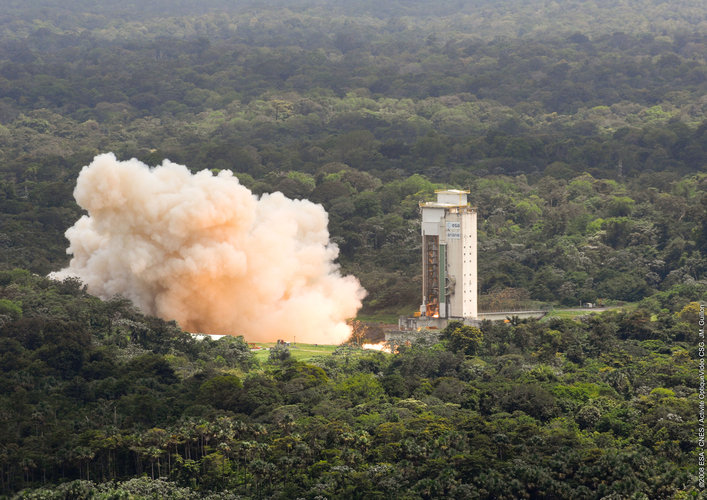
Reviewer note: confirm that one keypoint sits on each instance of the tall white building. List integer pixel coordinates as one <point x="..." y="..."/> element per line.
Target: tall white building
<point x="449" y="273"/>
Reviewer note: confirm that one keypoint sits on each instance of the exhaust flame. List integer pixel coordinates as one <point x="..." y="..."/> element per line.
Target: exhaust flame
<point x="382" y="346"/>
<point x="203" y="250"/>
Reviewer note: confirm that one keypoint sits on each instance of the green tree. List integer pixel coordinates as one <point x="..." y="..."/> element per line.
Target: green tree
<point x="463" y="338"/>
<point x="222" y="391"/>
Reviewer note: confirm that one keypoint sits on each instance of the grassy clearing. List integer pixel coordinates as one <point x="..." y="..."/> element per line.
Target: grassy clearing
<point x="300" y="352"/>
<point x="386" y="316"/>
<point x="306" y="352"/>
<point x="567" y="314"/>
<point x="576" y="312"/>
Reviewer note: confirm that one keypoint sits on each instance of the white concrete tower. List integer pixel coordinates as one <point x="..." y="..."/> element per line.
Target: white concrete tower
<point x="449" y="273"/>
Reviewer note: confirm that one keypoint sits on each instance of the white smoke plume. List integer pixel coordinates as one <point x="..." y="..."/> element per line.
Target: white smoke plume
<point x="203" y="250"/>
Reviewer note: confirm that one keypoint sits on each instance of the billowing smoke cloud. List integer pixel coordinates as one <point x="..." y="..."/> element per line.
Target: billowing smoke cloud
<point x="203" y="250"/>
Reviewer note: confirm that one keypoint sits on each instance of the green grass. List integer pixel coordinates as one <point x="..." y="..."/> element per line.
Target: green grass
<point x="575" y="312"/>
<point x="300" y="352"/>
<point x="305" y="352"/>
<point x="387" y="318"/>
<point x="559" y="313"/>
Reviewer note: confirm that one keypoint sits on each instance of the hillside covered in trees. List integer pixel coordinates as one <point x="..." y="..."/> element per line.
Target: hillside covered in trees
<point x="578" y="127"/>
<point x="109" y="402"/>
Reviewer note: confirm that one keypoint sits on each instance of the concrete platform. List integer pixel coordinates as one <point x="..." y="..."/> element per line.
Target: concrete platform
<point x="502" y="315"/>
<point x="409" y="324"/>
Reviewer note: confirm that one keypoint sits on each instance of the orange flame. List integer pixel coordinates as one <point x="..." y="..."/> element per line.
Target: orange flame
<point x="381" y="346"/>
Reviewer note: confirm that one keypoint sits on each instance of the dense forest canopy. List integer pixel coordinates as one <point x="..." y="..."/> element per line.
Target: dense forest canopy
<point x="584" y="149"/>
<point x="579" y="129"/>
<point x="111" y="403"/>
<point x="487" y="19"/>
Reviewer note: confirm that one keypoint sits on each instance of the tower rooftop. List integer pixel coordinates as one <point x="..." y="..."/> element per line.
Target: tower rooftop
<point x="447" y="198"/>
<point x="452" y="191"/>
